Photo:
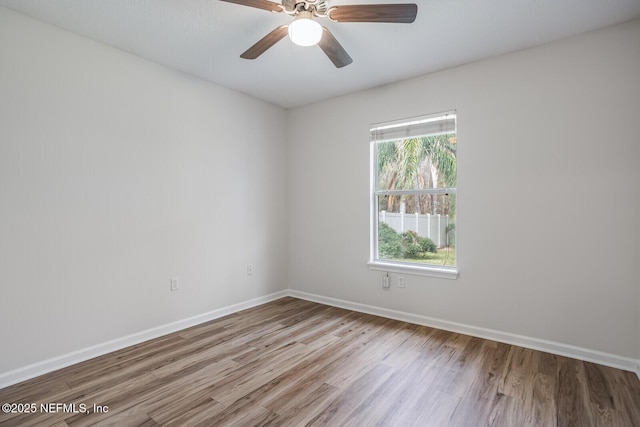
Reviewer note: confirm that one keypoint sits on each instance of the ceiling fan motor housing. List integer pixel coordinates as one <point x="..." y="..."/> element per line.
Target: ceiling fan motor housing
<point x="316" y="7"/>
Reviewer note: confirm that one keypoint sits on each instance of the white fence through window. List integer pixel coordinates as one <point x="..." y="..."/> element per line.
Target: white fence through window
<point x="432" y="226"/>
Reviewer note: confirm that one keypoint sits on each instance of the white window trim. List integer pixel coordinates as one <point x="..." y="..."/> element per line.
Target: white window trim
<point x="412" y="268"/>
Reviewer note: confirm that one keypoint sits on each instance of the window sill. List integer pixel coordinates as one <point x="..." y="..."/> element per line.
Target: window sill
<point x="418" y="270"/>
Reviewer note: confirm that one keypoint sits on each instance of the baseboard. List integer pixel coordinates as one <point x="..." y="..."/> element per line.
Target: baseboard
<point x="50" y="365"/>
<point x="587" y="355"/>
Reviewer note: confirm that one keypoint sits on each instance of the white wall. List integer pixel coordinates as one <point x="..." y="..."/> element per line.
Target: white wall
<point x="554" y="129"/>
<point x="115" y="175"/>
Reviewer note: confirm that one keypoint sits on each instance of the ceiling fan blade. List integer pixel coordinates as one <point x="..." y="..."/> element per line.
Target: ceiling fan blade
<point x="333" y="49"/>
<point x="398" y="13"/>
<point x="265" y="43"/>
<point x="258" y="4"/>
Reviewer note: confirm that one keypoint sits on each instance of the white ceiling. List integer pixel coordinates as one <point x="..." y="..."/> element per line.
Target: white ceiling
<point x="206" y="37"/>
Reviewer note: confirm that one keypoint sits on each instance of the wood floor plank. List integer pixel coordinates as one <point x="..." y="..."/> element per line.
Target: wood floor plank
<point x="388" y="404"/>
<point x="599" y="392"/>
<point x="198" y="415"/>
<point x="465" y="369"/>
<point x="344" y="404"/>
<point x="408" y="349"/>
<point x="296" y="363"/>
<point x="305" y="406"/>
<point x="481" y="397"/>
<point x="237" y="385"/>
<point x="626" y="395"/>
<point x="437" y="409"/>
<point x="573" y="405"/>
<point x="35" y="389"/>
<point x="158" y="393"/>
<point x="518" y="372"/>
<point x="544" y="406"/>
<point x="177" y="406"/>
<point x="547" y="363"/>
<point x="421" y="376"/>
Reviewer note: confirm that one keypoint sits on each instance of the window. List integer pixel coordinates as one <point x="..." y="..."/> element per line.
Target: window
<point x="413" y="195"/>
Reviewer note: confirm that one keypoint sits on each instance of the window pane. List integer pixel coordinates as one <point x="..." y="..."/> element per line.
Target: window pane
<point x="417" y="228"/>
<point x="417" y="163"/>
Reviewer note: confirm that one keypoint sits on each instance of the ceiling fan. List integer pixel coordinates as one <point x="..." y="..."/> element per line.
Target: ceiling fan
<point x="306" y="31"/>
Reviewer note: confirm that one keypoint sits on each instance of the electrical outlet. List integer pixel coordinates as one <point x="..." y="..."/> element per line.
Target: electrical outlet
<point x="175" y="284"/>
<point x="385" y="281"/>
<point x="249" y="270"/>
<point x="400" y="281"/>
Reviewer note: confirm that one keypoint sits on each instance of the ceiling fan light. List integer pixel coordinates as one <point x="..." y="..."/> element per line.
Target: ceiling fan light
<point x="304" y="31"/>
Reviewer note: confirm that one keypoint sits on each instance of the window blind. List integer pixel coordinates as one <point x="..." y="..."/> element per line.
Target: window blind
<point x="435" y="125"/>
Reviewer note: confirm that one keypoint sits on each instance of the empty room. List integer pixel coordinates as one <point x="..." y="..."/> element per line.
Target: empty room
<point x="322" y="213"/>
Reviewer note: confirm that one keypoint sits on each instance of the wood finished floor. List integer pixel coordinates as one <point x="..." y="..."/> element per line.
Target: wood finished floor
<point x="296" y="363"/>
